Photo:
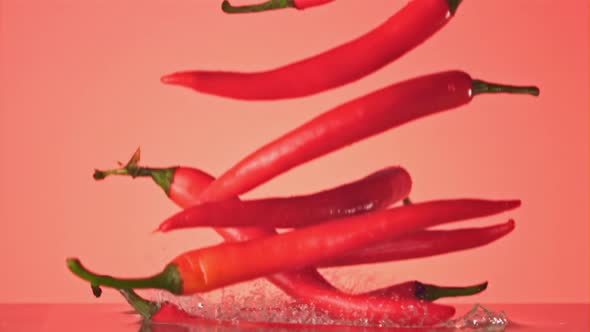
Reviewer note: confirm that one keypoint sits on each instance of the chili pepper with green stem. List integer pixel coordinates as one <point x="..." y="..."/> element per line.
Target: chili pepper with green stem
<point x="210" y="268"/>
<point x="402" y="32"/>
<point x="184" y="185"/>
<point x="351" y="122"/>
<point x="373" y="192"/>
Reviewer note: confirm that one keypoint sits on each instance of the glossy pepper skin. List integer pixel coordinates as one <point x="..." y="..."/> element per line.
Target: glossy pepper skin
<point x="214" y="267"/>
<point x="184" y="184"/>
<point x="351" y="122"/>
<point x="373" y="192"/>
<point x="402" y="32"/>
<point x="229" y="263"/>
<point x="423" y="243"/>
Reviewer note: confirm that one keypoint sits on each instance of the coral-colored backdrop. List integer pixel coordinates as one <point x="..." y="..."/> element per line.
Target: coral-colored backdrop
<point x="80" y="89"/>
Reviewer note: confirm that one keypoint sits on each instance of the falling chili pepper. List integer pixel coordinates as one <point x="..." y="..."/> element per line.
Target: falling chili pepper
<point x="373" y="192"/>
<point x="351" y="122"/>
<point x="184" y="185"/>
<point x="402" y="32"/>
<point x="214" y="267"/>
<point x="271" y="5"/>
<point x="423" y="243"/>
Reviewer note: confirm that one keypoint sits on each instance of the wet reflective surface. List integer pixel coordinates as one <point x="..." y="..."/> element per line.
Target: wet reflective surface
<point x="117" y="318"/>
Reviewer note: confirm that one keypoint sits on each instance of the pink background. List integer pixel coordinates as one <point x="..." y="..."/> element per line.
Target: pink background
<point x="80" y="90"/>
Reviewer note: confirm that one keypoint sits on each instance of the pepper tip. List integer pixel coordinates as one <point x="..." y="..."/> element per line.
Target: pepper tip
<point x="173" y="79"/>
<point x="166" y="79"/>
<point x="511" y="224"/>
<point x="514" y="203"/>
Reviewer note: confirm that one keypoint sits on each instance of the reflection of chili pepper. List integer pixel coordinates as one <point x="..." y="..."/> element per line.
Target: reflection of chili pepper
<point x="408" y="28"/>
<point x="423" y="243"/>
<point x="228" y="263"/>
<point x="374" y="192"/>
<point x="272" y="4"/>
<point x="350" y="123"/>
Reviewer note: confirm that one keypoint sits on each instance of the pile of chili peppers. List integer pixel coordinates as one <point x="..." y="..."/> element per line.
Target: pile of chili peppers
<point x="354" y="223"/>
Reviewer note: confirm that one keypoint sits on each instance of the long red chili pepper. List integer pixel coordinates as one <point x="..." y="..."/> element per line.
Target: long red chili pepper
<point x="350" y="123"/>
<point x="402" y="32"/>
<point x="200" y="270"/>
<point x="183" y="185"/>
<point x="272" y="4"/>
<point x="423" y="243"/>
<point x="373" y="192"/>
<point x="187" y="183"/>
<point x="210" y="268"/>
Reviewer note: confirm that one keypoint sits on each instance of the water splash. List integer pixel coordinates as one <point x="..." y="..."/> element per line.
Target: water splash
<point x="259" y="306"/>
<point x="480" y="318"/>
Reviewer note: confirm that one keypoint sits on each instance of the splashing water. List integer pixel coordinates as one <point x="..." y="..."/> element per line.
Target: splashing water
<point x="482" y="319"/>
<point x="259" y="306"/>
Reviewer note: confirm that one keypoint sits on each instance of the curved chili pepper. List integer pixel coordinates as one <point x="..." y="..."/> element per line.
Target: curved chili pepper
<point x="271" y="5"/>
<point x="373" y="192"/>
<point x="402" y="32"/>
<point x="423" y="243"/>
<point x="350" y="123"/>
<point x="214" y="267"/>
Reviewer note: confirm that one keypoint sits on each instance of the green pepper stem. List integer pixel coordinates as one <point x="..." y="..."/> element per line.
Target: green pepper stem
<point x="433" y="292"/>
<point x="269" y="5"/>
<point x="169" y="279"/>
<point x="479" y="86"/>
<point x="453" y="5"/>
<point x="162" y="176"/>
<point x="146" y="309"/>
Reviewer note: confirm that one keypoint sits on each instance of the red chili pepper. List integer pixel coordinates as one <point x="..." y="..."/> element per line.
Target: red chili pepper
<point x="402" y="32"/>
<point x="272" y="4"/>
<point x="189" y="182"/>
<point x="350" y="123"/>
<point x="423" y="243"/>
<point x="214" y="267"/>
<point x="183" y="185"/>
<point x="373" y="192"/>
